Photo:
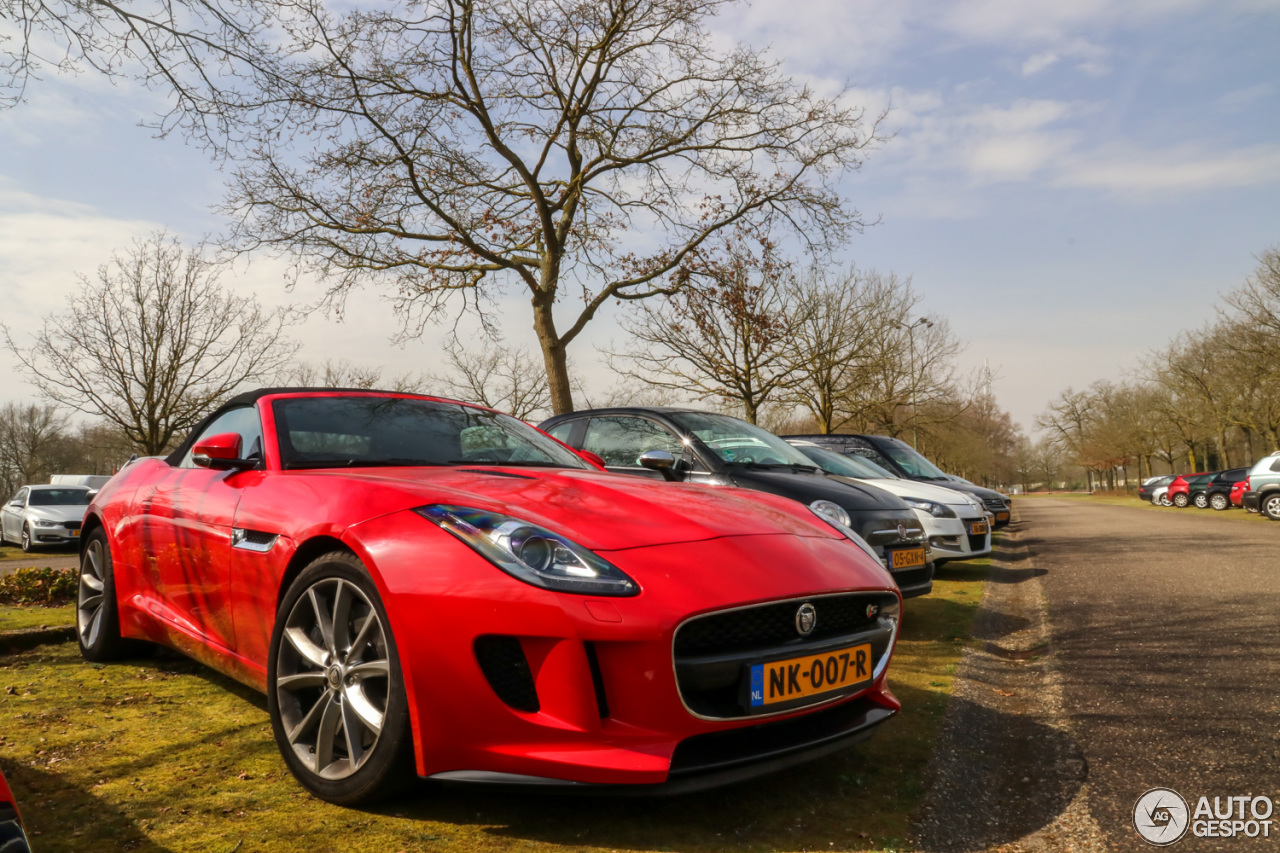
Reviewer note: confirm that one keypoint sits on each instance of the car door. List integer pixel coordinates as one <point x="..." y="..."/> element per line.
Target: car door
<point x="187" y="523"/>
<point x="11" y="515"/>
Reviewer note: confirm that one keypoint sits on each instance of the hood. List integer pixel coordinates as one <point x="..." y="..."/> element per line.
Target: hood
<point x="924" y="491"/>
<point x="58" y="512"/>
<point x="852" y="495"/>
<point x="598" y="510"/>
<point x="980" y="492"/>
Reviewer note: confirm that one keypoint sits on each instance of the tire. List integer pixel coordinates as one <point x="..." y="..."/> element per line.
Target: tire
<point x="25" y="540"/>
<point x="97" y="618"/>
<point x="1201" y="500"/>
<point x="1180" y="500"/>
<point x="1270" y="506"/>
<point x="1220" y="502"/>
<point x="322" y="685"/>
<point x="1164" y="500"/>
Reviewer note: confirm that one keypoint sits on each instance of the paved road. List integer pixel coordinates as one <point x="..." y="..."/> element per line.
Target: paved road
<point x="1166" y="627"/>
<point x="61" y="558"/>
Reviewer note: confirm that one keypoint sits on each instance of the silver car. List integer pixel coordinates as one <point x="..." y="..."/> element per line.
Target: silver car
<point x="44" y="515"/>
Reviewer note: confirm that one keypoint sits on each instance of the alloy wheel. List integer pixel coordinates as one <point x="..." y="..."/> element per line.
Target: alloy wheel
<point x="1219" y="502"/>
<point x="1271" y="507"/>
<point x="89" y="599"/>
<point x="26" y="538"/>
<point x="1180" y="500"/>
<point x="333" y="678"/>
<point x="1201" y="500"/>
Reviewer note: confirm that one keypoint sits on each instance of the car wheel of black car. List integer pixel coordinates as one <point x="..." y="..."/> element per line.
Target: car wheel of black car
<point x="1220" y="502"/>
<point x="1271" y="506"/>
<point x="1180" y="500"/>
<point x="1202" y="500"/>
<point x="97" y="619"/>
<point x="335" y="691"/>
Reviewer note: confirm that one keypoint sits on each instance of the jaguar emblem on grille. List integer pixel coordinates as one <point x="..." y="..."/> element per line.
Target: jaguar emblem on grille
<point x="872" y="610"/>
<point x="806" y="618"/>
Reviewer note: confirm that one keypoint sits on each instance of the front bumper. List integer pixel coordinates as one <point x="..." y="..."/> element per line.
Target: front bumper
<point x="607" y="709"/>
<point x="954" y="541"/>
<point x="61" y="534"/>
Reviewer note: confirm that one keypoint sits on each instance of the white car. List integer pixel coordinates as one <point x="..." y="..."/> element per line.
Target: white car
<point x="958" y="526"/>
<point x="44" y="515"/>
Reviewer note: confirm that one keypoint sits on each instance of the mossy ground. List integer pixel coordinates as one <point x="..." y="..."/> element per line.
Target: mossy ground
<point x="20" y="618"/>
<point x="162" y="754"/>
<point x="1133" y="501"/>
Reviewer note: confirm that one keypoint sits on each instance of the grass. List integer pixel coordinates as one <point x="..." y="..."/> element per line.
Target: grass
<point x="13" y="552"/>
<point x="164" y="755"/>
<point x="18" y="618"/>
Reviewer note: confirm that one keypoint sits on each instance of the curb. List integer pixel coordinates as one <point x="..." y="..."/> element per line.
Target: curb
<point x="12" y="642"/>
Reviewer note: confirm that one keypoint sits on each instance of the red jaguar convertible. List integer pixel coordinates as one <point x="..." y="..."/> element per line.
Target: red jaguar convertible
<point x="424" y="586"/>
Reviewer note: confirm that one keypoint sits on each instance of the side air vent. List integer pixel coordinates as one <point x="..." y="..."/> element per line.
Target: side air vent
<point x="503" y="663"/>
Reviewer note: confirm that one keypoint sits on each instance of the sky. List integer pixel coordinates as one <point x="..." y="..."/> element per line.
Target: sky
<point x="1068" y="183"/>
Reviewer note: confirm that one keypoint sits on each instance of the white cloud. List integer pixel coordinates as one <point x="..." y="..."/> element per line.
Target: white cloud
<point x="1188" y="168"/>
<point x="1038" y="63"/>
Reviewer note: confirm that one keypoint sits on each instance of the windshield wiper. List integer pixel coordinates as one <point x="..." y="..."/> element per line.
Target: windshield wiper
<point x="769" y="466"/>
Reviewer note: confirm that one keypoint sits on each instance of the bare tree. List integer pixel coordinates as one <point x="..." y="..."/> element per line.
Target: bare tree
<point x="580" y="150"/>
<point x="33" y="440"/>
<point x="340" y="373"/>
<point x="509" y="380"/>
<point x="729" y="339"/>
<point x="153" y="343"/>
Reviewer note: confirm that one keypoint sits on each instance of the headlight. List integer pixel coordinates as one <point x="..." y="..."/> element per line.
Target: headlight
<point x="832" y="512"/>
<point x="531" y="553"/>
<point x="40" y="522"/>
<point x="844" y="528"/>
<point x="935" y="509"/>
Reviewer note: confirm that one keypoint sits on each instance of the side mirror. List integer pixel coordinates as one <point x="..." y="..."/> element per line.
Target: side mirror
<point x="221" y="452"/>
<point x="593" y="458"/>
<point x="661" y="461"/>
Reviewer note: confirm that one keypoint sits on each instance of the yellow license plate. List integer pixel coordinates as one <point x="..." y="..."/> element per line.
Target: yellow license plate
<point x="1002" y="516"/>
<point x="786" y="680"/>
<point x="978" y="527"/>
<point x="75" y="533"/>
<point x="906" y="558"/>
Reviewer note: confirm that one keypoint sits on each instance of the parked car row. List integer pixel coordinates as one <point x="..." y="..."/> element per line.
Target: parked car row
<point x="1257" y="489"/>
<point x="426" y="587"/>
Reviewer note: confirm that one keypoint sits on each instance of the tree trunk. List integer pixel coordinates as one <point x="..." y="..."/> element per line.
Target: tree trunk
<point x="554" y="356"/>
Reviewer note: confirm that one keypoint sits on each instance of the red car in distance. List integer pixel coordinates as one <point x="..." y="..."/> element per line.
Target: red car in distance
<point x="1179" y="493"/>
<point x="424" y="586"/>
<point x="1237" y="492"/>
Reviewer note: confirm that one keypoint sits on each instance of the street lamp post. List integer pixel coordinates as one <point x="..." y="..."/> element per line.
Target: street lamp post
<point x="911" y="344"/>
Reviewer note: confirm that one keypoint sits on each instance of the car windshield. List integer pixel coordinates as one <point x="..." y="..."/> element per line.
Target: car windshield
<point x="739" y="443"/>
<point x="910" y="461"/>
<point x="365" y="431"/>
<point x="59" y="497"/>
<point x="845" y="466"/>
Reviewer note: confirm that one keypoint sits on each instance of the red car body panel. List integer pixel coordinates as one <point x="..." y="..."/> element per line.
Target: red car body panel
<point x="691" y="549"/>
<point x="1237" y="492"/>
<point x="1181" y="486"/>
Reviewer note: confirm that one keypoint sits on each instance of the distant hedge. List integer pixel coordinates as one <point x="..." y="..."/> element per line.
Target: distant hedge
<point x="48" y="587"/>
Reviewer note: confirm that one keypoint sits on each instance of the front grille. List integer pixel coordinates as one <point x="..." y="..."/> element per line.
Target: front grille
<point x="714" y="653"/>
<point x="768" y="625"/>
<point x="977" y="543"/>
<point x="72" y="525"/>
<point x="503" y="663"/>
<point x="995" y="503"/>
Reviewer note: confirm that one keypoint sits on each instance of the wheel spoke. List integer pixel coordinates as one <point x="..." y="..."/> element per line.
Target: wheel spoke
<point x="311" y="717"/>
<point x="351" y="731"/>
<point x="93" y="555"/>
<point x="91" y="582"/>
<point x="322" y="621"/>
<point x="371" y="669"/>
<point x="341" y="614"/>
<point x="327" y="733"/>
<point x="359" y="704"/>
<point x="91" y="603"/>
<point x="300" y="681"/>
<point x="362" y="636"/>
<point x="95" y="627"/>
<point x="310" y="652"/>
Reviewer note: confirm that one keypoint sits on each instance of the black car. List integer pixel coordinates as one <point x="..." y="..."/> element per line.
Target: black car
<point x="1217" y="491"/>
<point x="690" y="446"/>
<point x="1197" y="486"/>
<point x="903" y="460"/>
<point x="1152" y="483"/>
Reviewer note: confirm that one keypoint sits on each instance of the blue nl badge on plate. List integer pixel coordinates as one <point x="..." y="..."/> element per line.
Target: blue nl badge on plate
<point x="757" y="685"/>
